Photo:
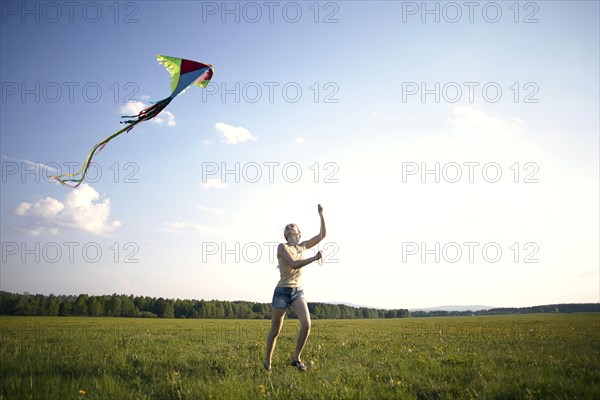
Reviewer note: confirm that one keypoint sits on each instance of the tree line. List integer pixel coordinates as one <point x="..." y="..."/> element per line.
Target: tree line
<point x="116" y="305"/>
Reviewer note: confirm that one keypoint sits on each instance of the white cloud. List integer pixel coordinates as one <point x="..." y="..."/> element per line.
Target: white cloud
<point x="299" y="140"/>
<point x="214" y="183"/>
<point x="47" y="208"/>
<point x="176" y="226"/>
<point x="232" y="134"/>
<point x="471" y="120"/>
<point x="472" y="134"/>
<point x="34" y="231"/>
<point x="38" y="230"/>
<point x="81" y="210"/>
<point x="23" y="209"/>
<point x="133" y="108"/>
<point x="34" y="164"/>
<point x="211" y="210"/>
<point x="166" y="117"/>
<point x="180" y="227"/>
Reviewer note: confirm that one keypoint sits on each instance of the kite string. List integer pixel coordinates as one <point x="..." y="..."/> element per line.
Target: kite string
<point x="320" y="260"/>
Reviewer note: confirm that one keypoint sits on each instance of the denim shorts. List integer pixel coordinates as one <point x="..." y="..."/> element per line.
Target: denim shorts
<point x="283" y="297"/>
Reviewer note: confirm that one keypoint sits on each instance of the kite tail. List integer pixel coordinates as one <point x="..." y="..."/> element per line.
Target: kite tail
<point x="148" y="113"/>
<point x="67" y="180"/>
<point x="144" y="115"/>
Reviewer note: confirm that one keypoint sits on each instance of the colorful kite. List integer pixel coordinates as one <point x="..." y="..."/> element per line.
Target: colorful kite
<point x="184" y="73"/>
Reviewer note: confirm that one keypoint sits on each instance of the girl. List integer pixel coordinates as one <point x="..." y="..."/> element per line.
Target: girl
<point x="289" y="289"/>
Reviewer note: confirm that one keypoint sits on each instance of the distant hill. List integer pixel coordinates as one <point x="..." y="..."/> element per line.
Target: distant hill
<point x="453" y="308"/>
<point x="341" y="303"/>
<point x="439" y="308"/>
<point x="548" y="308"/>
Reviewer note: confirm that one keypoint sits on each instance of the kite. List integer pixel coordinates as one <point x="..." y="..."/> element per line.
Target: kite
<point x="183" y="72"/>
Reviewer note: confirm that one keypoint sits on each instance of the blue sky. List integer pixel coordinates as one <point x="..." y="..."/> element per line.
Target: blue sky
<point x="356" y="97"/>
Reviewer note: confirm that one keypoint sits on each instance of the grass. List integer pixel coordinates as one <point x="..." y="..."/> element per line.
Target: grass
<point x="495" y="357"/>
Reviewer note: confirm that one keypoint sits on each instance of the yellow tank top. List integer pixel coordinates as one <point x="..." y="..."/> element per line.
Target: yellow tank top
<point x="290" y="277"/>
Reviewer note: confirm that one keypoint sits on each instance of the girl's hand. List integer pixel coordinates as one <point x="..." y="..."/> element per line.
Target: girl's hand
<point x="320" y="209"/>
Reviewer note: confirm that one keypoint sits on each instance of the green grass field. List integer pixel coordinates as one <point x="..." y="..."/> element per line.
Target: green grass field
<point x="500" y="357"/>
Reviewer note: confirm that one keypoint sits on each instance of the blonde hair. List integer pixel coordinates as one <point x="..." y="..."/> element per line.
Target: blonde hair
<point x="287" y="228"/>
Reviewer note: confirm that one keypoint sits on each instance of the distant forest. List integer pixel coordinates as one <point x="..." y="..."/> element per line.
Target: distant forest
<point x="151" y="307"/>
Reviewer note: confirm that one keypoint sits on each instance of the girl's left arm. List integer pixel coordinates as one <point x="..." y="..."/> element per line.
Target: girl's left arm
<point x="315" y="240"/>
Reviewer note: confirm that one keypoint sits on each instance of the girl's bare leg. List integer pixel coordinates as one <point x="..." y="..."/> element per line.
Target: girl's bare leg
<point x="277" y="316"/>
<point x="301" y="309"/>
